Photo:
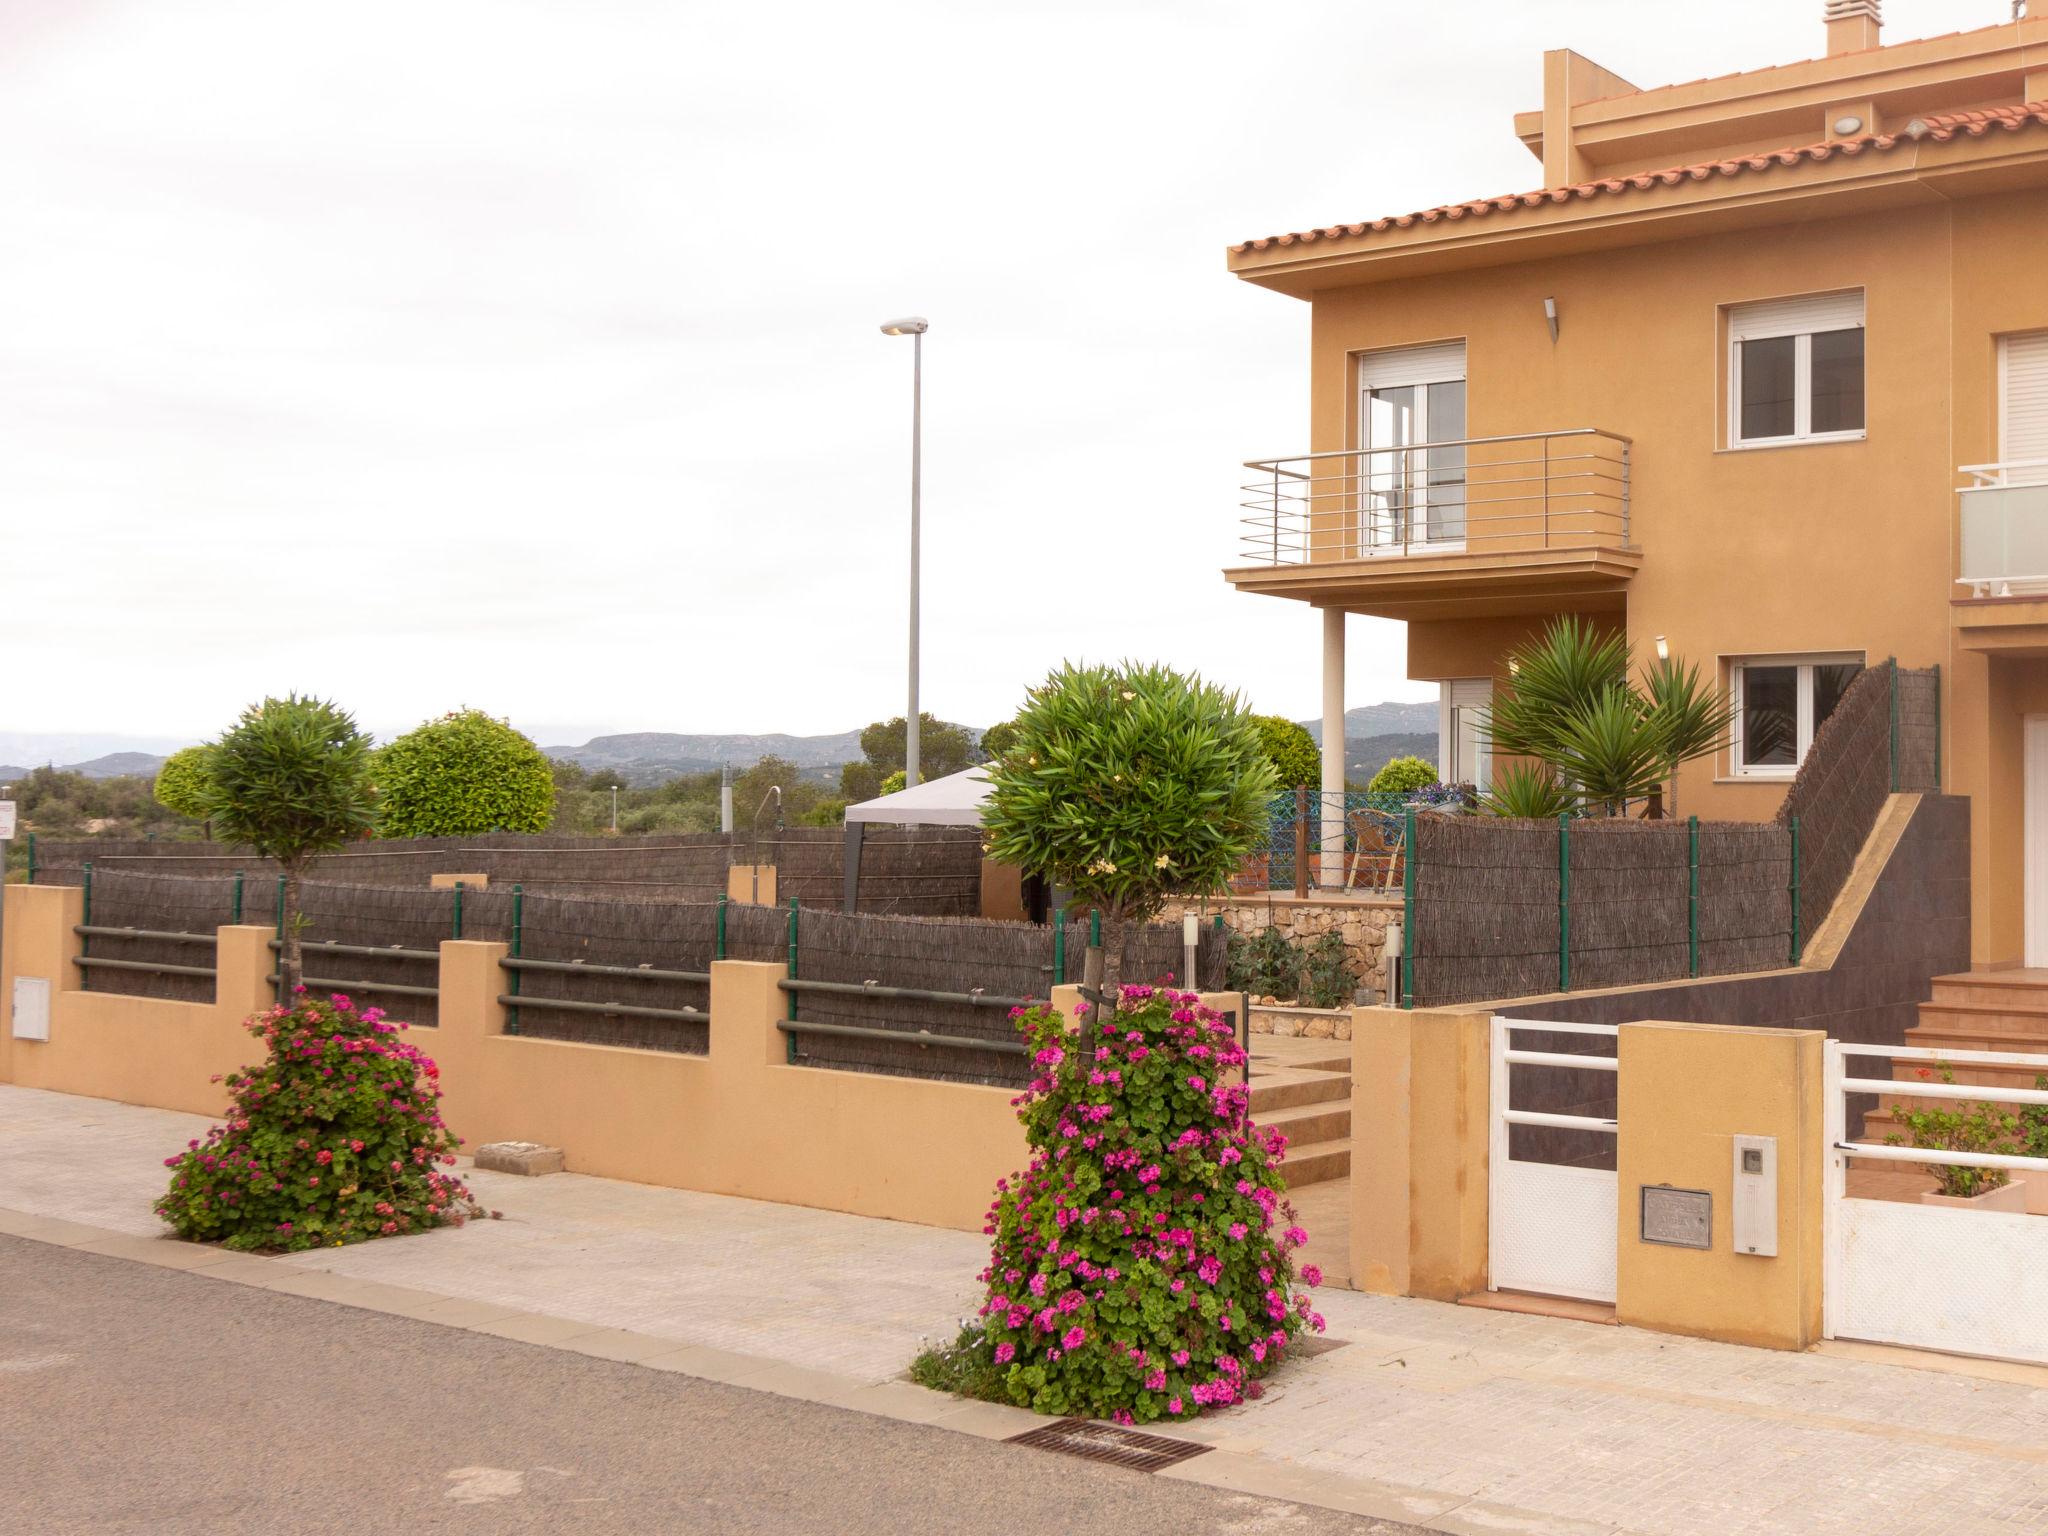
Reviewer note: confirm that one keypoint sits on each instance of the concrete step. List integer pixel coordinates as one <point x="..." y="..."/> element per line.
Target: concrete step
<point x="1906" y="1073"/>
<point x="2023" y="989"/>
<point x="1968" y="1039"/>
<point x="2005" y="1018"/>
<point x="1307" y="1124"/>
<point x="1286" y="1089"/>
<point x="1317" y="1163"/>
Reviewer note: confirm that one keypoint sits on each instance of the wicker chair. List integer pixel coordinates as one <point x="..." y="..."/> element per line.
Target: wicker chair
<point x="1374" y="844"/>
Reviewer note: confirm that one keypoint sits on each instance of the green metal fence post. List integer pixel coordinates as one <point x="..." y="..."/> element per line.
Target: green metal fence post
<point x="1223" y="943"/>
<point x="1059" y="946"/>
<point x="1564" y="901"/>
<point x="1094" y="928"/>
<point x="1692" y="899"/>
<point x="85" y="939"/>
<point x="280" y="939"/>
<point x="1937" y="727"/>
<point x="458" y="909"/>
<point x="31" y="858"/>
<point x="1894" y="665"/>
<point x="518" y="942"/>
<point x="718" y="940"/>
<point x="790" y="1035"/>
<point x="1795" y="890"/>
<point x="238" y="896"/>
<point x="1408" y="863"/>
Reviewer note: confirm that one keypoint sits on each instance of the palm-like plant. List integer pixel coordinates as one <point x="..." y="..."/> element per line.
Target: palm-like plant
<point x="1574" y="711"/>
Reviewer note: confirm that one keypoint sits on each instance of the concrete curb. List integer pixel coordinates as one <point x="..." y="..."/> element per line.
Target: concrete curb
<point x="1222" y="1467"/>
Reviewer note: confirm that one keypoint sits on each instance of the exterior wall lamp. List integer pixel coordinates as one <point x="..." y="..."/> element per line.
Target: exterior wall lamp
<point x="1550" y="318"/>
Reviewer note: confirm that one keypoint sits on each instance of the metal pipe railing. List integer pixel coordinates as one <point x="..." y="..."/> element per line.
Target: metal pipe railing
<point x="579" y="968"/>
<point x="100" y="963"/>
<point x="527" y="1001"/>
<point x="101" y="930"/>
<point x="906" y="994"/>
<point x="794" y="1027"/>
<point x="1458" y="493"/>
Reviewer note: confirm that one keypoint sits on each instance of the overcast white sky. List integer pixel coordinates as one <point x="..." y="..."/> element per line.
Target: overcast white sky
<point x="523" y="353"/>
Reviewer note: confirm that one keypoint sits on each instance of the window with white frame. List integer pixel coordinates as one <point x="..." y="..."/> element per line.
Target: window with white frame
<point x="1780" y="701"/>
<point x="1795" y="370"/>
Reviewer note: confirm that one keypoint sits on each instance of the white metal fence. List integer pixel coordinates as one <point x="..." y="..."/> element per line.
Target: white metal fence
<point x="1551" y="1227"/>
<point x="1965" y="1281"/>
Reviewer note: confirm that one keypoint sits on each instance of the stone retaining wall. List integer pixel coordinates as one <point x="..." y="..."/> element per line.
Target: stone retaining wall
<point x="1362" y="922"/>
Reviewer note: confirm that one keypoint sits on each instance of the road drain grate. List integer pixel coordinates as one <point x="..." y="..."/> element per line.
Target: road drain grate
<point x="1109" y="1442"/>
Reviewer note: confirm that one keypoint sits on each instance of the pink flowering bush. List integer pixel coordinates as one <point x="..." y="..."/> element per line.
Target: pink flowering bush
<point x="337" y="1137"/>
<point x="1143" y="1263"/>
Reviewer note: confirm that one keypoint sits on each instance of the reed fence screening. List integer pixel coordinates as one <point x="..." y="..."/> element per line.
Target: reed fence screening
<point x="898" y="995"/>
<point x="1500" y="908"/>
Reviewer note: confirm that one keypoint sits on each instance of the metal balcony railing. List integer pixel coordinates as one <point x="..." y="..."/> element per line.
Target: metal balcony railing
<point x="2005" y="528"/>
<point x="1485" y="494"/>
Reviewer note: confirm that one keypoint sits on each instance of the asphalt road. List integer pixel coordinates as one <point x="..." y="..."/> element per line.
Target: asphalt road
<point x="139" y="1399"/>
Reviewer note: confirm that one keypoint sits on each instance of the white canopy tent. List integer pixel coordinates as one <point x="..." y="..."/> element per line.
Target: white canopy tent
<point x="954" y="801"/>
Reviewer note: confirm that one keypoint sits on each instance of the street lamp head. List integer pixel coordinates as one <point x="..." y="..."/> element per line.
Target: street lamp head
<point x="913" y="325"/>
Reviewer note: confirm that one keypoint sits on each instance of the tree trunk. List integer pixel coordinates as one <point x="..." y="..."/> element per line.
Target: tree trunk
<point x="291" y="967"/>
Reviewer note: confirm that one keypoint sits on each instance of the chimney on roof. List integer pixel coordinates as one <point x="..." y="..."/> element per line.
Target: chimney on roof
<point x="1853" y="24"/>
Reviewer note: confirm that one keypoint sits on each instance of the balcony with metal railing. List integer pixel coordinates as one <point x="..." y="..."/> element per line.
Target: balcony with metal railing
<point x="1465" y="526"/>
<point x="2004" y="517"/>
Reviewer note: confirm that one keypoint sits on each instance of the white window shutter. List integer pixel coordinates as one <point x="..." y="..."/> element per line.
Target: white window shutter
<point x="1796" y="317"/>
<point x="2024" y="390"/>
<point x="1438" y="363"/>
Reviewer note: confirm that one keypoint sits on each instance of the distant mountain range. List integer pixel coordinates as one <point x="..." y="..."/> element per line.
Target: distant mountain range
<point x="113" y="766"/>
<point x="650" y="757"/>
<point x="1373" y="733"/>
<point x="1392" y="718"/>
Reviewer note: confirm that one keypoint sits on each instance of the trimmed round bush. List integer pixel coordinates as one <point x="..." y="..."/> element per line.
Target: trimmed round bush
<point x="1291" y="750"/>
<point x="335" y="1138"/>
<point x="463" y="775"/>
<point x="1142" y="1265"/>
<point x="1401" y="775"/>
<point x="181" y="783"/>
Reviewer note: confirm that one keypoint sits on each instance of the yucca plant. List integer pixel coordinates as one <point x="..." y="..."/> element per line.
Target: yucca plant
<point x="1530" y="790"/>
<point x="1600" y="737"/>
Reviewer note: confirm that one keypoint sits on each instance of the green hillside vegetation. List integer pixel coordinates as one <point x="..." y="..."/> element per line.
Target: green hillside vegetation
<point x="56" y="802"/>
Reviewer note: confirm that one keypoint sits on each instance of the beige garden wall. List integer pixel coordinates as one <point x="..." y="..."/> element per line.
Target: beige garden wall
<point x="738" y="1121"/>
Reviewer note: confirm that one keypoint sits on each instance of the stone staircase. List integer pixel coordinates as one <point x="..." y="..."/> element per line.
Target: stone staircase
<point x="1302" y="1088"/>
<point x="1973" y="1011"/>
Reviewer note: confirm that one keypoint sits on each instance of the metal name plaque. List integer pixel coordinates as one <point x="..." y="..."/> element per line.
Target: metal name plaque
<point x="1677" y="1218"/>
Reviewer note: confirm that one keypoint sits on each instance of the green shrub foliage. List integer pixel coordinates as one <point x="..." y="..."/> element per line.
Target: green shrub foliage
<point x="1291" y="750"/>
<point x="1142" y="1265"/>
<point x="290" y="780"/>
<point x="335" y="1138"/>
<point x="181" y="783"/>
<point x="1128" y="784"/>
<point x="1402" y="774"/>
<point x="463" y="775"/>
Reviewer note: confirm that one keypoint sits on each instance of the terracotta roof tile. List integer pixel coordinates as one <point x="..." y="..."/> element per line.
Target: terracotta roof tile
<point x="1940" y="129"/>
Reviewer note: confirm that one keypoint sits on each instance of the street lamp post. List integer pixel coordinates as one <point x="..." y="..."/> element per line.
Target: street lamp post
<point x="914" y="327"/>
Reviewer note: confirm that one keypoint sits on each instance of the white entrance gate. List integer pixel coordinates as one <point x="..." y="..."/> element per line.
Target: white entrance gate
<point x="1550" y="1228"/>
<point x="1968" y="1282"/>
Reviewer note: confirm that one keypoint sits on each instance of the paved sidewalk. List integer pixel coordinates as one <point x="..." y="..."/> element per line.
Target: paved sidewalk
<point x="1456" y="1418"/>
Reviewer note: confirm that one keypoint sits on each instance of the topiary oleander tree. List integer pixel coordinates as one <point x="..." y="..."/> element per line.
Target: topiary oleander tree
<point x="180" y="785"/>
<point x="1143" y="1262"/>
<point x="335" y="1138"/>
<point x="1291" y="750"/>
<point x="1127" y="785"/>
<point x="463" y="775"/>
<point x="1400" y="775"/>
<point x="291" y="781"/>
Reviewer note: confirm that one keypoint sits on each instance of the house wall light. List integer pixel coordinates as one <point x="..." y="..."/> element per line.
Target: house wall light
<point x="1550" y="318"/>
<point x="1663" y="650"/>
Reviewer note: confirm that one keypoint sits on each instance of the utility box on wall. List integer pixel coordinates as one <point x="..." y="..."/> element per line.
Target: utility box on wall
<point x="1756" y="1195"/>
